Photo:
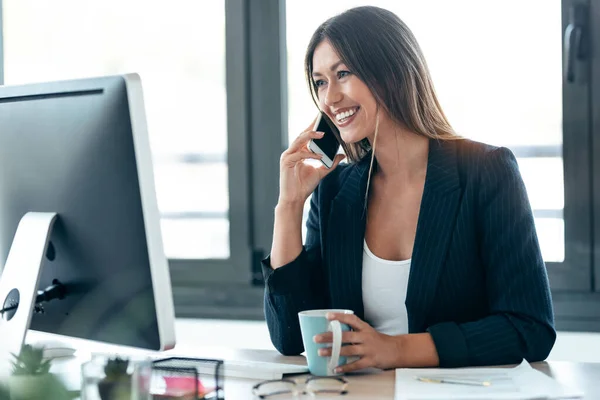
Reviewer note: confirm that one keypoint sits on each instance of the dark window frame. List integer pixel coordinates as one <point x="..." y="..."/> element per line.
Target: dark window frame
<point x="594" y="32"/>
<point x="573" y="274"/>
<point x="575" y="282"/>
<point x="256" y="89"/>
<point x="1" y="43"/>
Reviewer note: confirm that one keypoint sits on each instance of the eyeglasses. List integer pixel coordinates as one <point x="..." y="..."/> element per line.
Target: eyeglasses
<point x="313" y="386"/>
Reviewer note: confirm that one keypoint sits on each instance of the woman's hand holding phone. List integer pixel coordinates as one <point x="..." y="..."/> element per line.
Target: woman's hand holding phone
<point x="297" y="180"/>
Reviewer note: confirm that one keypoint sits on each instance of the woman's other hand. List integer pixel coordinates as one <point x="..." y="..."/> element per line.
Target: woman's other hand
<point x="374" y="349"/>
<point x="379" y="350"/>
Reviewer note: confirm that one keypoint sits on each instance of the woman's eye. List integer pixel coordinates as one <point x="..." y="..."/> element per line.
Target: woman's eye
<point x="342" y="74"/>
<point x="319" y="83"/>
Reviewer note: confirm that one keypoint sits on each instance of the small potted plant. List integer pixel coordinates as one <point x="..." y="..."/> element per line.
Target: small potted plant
<point x="31" y="377"/>
<point x="116" y="385"/>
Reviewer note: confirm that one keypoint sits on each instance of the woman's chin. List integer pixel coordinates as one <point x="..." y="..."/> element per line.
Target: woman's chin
<point x="350" y="137"/>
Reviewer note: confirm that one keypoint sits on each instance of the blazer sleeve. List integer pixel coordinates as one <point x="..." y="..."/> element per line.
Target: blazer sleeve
<point x="521" y="322"/>
<point x="295" y="287"/>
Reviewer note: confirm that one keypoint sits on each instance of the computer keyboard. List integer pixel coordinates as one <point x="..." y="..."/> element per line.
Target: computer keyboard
<point x="260" y="369"/>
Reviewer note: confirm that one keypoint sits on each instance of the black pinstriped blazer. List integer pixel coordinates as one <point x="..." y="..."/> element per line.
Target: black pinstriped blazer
<point x="477" y="283"/>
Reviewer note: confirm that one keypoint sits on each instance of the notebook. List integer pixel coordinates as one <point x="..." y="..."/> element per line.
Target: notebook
<point x="521" y="382"/>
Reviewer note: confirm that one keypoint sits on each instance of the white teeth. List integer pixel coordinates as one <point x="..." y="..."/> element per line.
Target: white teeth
<point x="346" y="114"/>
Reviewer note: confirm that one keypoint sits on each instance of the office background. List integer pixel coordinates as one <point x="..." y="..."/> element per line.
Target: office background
<point x="225" y="93"/>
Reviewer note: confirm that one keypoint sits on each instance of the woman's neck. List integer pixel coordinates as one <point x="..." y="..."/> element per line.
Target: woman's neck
<point x="401" y="155"/>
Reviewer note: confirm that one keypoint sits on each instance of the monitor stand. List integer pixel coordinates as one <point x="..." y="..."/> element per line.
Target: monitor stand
<point x="19" y="282"/>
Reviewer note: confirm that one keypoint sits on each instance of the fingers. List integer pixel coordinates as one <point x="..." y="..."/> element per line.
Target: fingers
<point x="324" y="171"/>
<point x="338" y="159"/>
<point x="303" y="139"/>
<point x="350" y="351"/>
<point x="349" y="319"/>
<point x="345" y="351"/>
<point x="293" y="158"/>
<point x="347" y="337"/>
<point x="354" y="366"/>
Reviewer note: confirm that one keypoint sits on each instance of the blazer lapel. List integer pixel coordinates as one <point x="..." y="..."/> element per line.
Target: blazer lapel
<point x="345" y="236"/>
<point x="437" y="217"/>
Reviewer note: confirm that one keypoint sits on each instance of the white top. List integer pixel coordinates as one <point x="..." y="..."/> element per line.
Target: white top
<point x="384" y="285"/>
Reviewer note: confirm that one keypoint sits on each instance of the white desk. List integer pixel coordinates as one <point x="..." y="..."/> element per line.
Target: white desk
<point x="379" y="385"/>
<point x="373" y="384"/>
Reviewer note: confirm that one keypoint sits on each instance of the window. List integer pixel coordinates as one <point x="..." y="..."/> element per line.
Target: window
<point x="496" y="67"/>
<point x="213" y="111"/>
<point x="491" y="85"/>
<point x="179" y="51"/>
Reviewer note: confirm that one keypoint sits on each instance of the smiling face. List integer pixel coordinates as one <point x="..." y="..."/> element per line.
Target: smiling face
<point x="343" y="97"/>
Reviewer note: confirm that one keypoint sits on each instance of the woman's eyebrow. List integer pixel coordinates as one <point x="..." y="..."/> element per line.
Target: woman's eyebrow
<point x="333" y="67"/>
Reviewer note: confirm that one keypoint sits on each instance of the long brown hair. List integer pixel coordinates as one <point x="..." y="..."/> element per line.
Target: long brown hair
<point x="383" y="53"/>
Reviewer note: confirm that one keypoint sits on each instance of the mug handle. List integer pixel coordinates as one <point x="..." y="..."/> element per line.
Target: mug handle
<point x="336" y="328"/>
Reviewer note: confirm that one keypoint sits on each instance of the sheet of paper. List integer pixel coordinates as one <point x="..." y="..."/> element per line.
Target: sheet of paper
<point x="521" y="382"/>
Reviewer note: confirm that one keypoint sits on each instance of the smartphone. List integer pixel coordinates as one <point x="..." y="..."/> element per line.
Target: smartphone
<point x="328" y="145"/>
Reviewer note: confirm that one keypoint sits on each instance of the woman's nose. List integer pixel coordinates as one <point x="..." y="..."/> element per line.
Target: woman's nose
<point x="333" y="95"/>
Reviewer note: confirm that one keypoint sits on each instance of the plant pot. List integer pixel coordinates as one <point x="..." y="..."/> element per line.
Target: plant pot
<point x="115" y="390"/>
<point x="31" y="387"/>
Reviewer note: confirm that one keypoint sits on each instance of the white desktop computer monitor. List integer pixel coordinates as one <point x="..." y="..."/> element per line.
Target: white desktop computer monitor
<point x="79" y="215"/>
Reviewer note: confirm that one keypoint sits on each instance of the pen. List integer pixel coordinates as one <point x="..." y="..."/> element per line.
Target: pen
<point x="455" y="381"/>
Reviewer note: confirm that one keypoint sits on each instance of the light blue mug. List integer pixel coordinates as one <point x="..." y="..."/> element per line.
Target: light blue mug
<point x="314" y="322"/>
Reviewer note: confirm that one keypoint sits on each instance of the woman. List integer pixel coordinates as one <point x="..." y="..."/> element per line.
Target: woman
<point x="429" y="238"/>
